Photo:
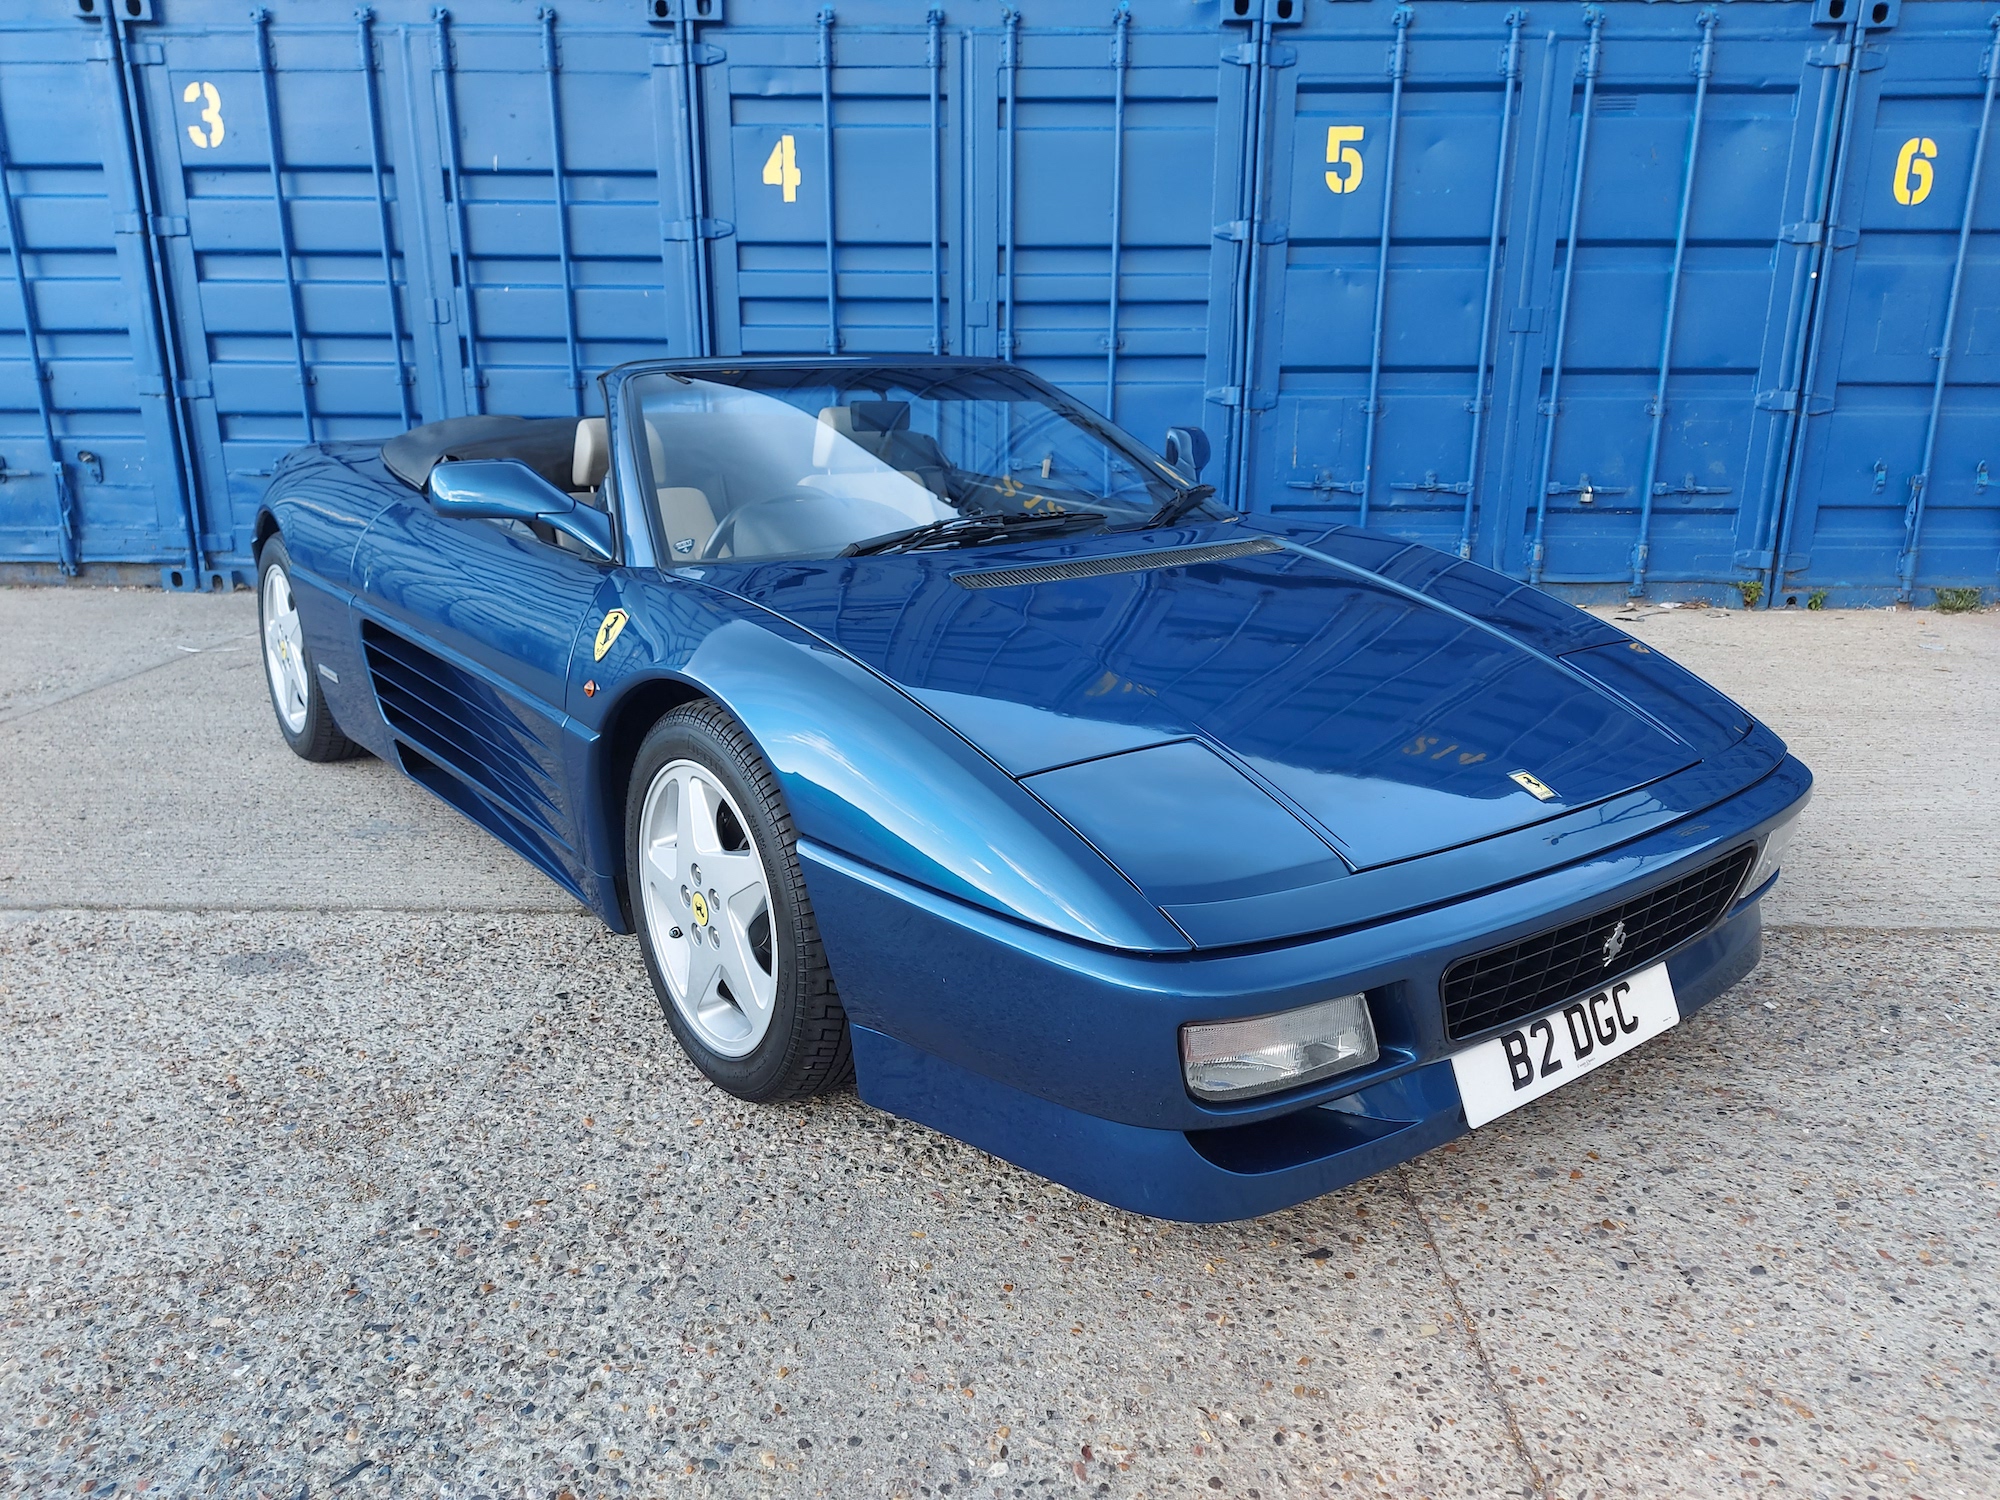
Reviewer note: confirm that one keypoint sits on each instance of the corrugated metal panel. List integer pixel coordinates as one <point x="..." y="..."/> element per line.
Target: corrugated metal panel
<point x="1613" y="298"/>
<point x="1893" y="492"/>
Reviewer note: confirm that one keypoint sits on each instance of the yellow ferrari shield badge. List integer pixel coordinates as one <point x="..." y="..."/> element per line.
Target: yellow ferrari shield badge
<point x="608" y="632"/>
<point x="1533" y="785"/>
<point x="700" y="904"/>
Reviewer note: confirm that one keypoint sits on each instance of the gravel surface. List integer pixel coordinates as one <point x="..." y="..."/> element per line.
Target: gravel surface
<point x="309" y="1195"/>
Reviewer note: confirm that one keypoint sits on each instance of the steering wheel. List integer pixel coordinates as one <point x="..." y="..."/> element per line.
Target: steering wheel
<point x="720" y="539"/>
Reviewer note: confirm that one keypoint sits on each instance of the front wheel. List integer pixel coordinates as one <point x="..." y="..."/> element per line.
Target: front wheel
<point x="723" y="917"/>
<point x="296" y="695"/>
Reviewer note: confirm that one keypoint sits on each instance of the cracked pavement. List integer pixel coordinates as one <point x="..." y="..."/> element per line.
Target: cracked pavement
<point x="342" y="1153"/>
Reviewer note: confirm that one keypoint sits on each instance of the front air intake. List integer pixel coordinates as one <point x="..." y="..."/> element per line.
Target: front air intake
<point x="1119" y="562"/>
<point x="1538" y="973"/>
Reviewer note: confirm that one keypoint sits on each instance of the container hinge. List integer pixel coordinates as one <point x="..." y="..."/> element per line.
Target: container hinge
<point x="706" y="229"/>
<point x="1268" y="232"/>
<point x="1838" y="54"/>
<point x="1815" y="405"/>
<point x="1525" y="320"/>
<point x="701" y="54"/>
<point x="154" y="385"/>
<point x="1244" y="55"/>
<point x="673" y="12"/>
<point x="1232" y="395"/>
<point x="1838" y="236"/>
<point x="440" y="309"/>
<point x="1760" y="560"/>
<point x="166" y="226"/>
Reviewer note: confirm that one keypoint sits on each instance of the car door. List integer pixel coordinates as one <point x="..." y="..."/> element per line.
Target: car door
<point x="467" y="629"/>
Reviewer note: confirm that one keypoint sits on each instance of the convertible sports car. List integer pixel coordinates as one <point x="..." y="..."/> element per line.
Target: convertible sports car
<point x="932" y="732"/>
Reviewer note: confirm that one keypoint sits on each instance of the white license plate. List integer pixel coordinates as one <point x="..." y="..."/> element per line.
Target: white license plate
<point x="1504" y="1072"/>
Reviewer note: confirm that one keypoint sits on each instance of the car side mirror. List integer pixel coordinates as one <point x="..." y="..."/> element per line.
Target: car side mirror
<point x="1186" y="451"/>
<point x="505" y="489"/>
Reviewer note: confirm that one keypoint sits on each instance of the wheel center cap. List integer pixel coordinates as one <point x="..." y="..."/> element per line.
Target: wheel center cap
<point x="700" y="905"/>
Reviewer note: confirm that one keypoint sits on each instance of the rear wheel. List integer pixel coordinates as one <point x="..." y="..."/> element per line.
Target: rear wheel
<point x="723" y="916"/>
<point x="296" y="695"/>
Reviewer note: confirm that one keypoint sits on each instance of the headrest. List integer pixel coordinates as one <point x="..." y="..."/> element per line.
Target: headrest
<point x="833" y="421"/>
<point x="593" y="454"/>
<point x="878" y="416"/>
<point x="861" y="422"/>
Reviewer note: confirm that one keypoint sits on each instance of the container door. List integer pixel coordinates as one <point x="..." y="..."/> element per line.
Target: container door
<point x="826" y="155"/>
<point x="1453" y="371"/>
<point x="561" y="246"/>
<point x="87" y="442"/>
<point x="1895" y="493"/>
<point x="1096" y="156"/>
<point x="290" y="318"/>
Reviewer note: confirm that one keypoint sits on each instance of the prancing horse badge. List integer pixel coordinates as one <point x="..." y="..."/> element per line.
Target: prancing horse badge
<point x="1533" y="785"/>
<point x="608" y="632"/>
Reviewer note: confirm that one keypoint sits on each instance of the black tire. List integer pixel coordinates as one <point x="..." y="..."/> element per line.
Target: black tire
<point x="806" y="1049"/>
<point x="318" y="737"/>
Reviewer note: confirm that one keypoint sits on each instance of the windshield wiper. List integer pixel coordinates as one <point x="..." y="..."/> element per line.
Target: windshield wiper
<point x="1180" y="505"/>
<point x="956" y="530"/>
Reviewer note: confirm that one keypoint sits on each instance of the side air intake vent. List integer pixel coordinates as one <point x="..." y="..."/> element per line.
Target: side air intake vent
<point x="1123" y="562"/>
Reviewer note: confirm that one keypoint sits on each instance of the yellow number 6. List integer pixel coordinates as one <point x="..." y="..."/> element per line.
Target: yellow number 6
<point x="1344" y="156"/>
<point x="1913" y="170"/>
<point x="211" y="114"/>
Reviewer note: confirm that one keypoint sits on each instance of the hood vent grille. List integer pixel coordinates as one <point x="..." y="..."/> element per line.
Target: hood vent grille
<point x="1122" y="562"/>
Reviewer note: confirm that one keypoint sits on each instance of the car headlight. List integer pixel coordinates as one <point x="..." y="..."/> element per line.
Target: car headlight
<point x="1260" y="1055"/>
<point x="1770" y="856"/>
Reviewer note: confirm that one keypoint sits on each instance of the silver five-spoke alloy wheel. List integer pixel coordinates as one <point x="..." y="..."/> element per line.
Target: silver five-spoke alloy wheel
<point x="284" y="651"/>
<point x="708" y="907"/>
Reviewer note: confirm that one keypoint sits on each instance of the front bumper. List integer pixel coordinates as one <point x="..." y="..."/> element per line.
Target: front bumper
<point x="1064" y="1059"/>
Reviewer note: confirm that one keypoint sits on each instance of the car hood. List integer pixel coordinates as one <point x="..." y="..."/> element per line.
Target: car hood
<point x="1392" y="724"/>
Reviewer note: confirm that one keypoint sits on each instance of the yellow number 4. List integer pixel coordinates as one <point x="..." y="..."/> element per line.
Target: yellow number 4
<point x="1913" y="170"/>
<point x="1344" y="156"/>
<point x="211" y="114"/>
<point x="781" y="168"/>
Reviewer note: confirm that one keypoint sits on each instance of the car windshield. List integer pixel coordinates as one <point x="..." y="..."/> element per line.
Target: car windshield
<point x="812" y="462"/>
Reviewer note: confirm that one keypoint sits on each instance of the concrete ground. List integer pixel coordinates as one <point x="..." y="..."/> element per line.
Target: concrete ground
<point x="340" y="1153"/>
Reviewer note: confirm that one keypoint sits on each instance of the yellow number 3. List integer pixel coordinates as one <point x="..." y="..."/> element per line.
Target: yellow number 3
<point x="1913" y="170"/>
<point x="1344" y="156"/>
<point x="211" y="114"/>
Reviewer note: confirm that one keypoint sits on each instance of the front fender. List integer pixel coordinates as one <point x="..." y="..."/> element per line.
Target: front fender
<point x="865" y="770"/>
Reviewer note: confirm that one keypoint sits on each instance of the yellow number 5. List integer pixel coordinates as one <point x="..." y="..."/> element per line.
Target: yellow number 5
<point x="781" y="169"/>
<point x="1344" y="156"/>
<point x="211" y="114"/>
<point x="1913" y="170"/>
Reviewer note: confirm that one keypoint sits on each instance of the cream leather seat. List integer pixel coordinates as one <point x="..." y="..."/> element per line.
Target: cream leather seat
<point x="687" y="519"/>
<point x="592" y="458"/>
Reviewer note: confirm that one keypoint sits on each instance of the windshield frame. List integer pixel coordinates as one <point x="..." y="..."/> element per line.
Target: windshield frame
<point x="632" y="466"/>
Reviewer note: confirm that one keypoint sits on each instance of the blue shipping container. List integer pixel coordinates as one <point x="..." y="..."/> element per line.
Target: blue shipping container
<point x="1619" y="298"/>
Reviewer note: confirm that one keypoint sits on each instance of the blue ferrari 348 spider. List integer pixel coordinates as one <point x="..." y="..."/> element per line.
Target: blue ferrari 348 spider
<point x="933" y="733"/>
